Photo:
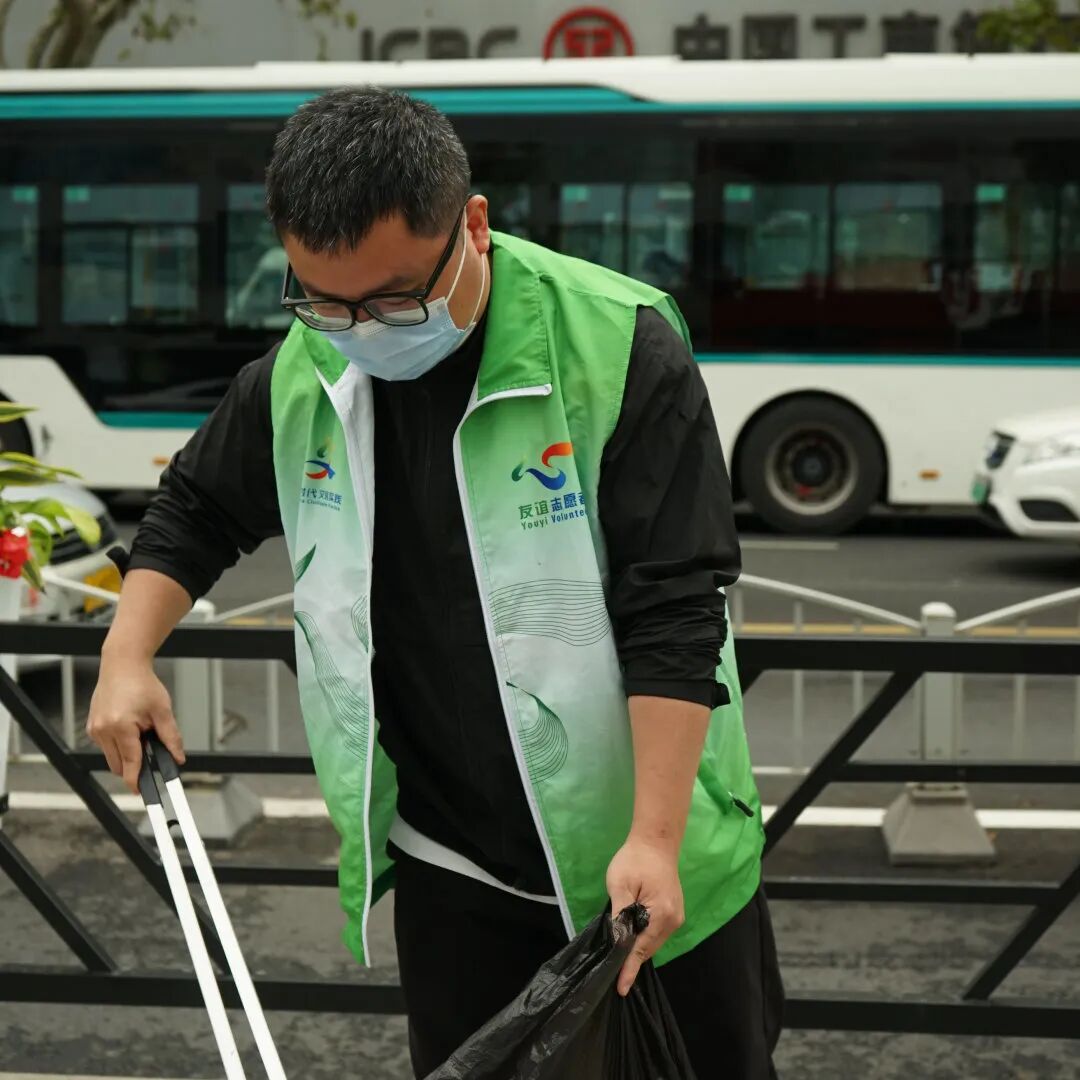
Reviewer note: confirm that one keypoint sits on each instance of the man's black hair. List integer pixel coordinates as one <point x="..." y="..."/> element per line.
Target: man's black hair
<point x="353" y="157"/>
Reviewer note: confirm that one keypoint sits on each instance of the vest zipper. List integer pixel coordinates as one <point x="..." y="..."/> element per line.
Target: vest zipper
<point x="489" y="626"/>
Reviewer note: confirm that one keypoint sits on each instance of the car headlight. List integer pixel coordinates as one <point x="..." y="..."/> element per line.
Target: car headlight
<point x="1057" y="446"/>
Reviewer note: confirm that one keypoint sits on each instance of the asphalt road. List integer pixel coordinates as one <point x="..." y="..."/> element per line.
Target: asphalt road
<point x="897" y="563"/>
<point x="884" y="949"/>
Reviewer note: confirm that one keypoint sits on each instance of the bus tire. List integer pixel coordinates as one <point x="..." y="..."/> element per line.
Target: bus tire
<point x="811" y="465"/>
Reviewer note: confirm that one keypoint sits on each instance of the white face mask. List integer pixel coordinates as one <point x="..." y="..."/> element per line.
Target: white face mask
<point x="407" y="352"/>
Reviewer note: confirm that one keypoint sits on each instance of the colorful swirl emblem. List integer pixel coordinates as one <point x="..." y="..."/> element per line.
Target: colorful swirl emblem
<point x="552" y="483"/>
<point x="323" y="470"/>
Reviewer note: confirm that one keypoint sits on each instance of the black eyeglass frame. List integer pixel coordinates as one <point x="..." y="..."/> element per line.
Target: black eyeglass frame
<point x="293" y="304"/>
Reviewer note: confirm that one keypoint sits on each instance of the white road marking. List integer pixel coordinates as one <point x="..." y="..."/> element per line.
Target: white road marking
<point x="860" y="817"/>
<point x="789" y="545"/>
<point x="293" y="808"/>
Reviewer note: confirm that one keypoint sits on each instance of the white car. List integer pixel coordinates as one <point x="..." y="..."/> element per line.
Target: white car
<point x="72" y="559"/>
<point x="1029" y="479"/>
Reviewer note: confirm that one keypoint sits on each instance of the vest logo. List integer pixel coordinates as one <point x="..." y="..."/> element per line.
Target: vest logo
<point x="558" y="508"/>
<point x="552" y="483"/>
<point x="320" y="463"/>
<point x="319" y="468"/>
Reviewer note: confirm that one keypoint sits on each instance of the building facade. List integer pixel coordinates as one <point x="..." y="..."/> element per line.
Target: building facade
<point x="247" y="31"/>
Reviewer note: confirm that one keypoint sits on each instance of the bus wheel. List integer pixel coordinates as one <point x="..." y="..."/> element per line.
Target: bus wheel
<point x="811" y="465"/>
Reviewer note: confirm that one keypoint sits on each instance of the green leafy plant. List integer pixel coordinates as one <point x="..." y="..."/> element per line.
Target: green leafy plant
<point x="28" y="527"/>
<point x="1029" y="25"/>
<point x="70" y="33"/>
<point x="325" y="17"/>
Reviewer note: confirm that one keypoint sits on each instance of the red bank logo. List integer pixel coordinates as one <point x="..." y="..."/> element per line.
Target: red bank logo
<point x="588" y="31"/>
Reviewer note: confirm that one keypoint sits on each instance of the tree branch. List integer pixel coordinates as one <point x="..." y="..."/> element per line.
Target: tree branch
<point x="5" y="7"/>
<point x="40" y="41"/>
<point x="109" y="12"/>
<point x="105" y="17"/>
<point x="77" y="16"/>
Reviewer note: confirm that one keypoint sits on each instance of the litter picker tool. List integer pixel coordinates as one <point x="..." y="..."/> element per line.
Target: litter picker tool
<point x="157" y="761"/>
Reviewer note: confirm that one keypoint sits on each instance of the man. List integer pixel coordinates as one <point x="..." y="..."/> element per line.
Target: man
<point x="500" y="483"/>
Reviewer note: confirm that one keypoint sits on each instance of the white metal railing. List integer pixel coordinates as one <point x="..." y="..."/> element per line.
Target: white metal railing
<point x="272" y="671"/>
<point x="67" y="663"/>
<point x="1019" y="615"/>
<point x="195" y="697"/>
<point x="200" y="684"/>
<point x="938" y="728"/>
<point x="802" y="597"/>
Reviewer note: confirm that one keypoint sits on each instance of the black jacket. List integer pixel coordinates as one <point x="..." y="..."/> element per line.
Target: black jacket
<point x="665" y="508"/>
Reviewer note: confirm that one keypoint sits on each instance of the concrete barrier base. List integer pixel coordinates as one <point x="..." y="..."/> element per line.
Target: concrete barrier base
<point x="934" y="825"/>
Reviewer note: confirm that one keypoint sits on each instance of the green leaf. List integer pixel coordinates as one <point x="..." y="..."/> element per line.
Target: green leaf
<point x="21" y="510"/>
<point x="15" y="458"/>
<point x="1030" y="24"/>
<point x="24" y="477"/>
<point x="41" y="541"/>
<point x="85" y="524"/>
<point x="50" y="509"/>
<point x="31" y="572"/>
<point x="10" y="411"/>
<point x="20" y="459"/>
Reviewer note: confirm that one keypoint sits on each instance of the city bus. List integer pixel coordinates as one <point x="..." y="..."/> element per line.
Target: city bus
<point x="877" y="259"/>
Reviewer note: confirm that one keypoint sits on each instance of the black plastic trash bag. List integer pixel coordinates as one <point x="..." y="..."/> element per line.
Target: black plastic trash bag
<point x="570" y="1023"/>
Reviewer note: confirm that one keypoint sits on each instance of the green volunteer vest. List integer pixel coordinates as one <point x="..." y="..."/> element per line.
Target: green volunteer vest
<point x="527" y="456"/>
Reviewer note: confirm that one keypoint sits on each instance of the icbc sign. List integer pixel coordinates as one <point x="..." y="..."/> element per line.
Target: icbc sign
<point x="588" y="31"/>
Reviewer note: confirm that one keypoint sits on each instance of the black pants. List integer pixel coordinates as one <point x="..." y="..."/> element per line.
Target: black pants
<point x="465" y="950"/>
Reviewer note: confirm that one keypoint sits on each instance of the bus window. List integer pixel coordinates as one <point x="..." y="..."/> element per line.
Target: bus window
<point x="1014" y="238"/>
<point x="776" y="236"/>
<point x="888" y="237"/>
<point x="18" y="256"/>
<point x="661" y="216"/>
<point x="1004" y="301"/>
<point x="1069" y="240"/>
<point x="1062" y="323"/>
<point x="129" y="254"/>
<point x="591" y="218"/>
<point x="509" y="207"/>
<point x="254" y="262"/>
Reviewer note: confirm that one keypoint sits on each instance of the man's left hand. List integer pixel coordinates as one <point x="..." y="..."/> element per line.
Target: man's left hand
<point x="646" y="872"/>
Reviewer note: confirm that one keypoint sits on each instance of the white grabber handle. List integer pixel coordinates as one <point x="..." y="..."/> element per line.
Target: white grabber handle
<point x="157" y="757"/>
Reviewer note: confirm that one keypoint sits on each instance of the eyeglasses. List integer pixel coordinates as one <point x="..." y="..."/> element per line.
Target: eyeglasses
<point x="331" y="314"/>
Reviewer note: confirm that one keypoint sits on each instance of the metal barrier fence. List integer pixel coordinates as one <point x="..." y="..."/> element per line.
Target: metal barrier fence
<point x="975" y="1011"/>
<point x="935" y="732"/>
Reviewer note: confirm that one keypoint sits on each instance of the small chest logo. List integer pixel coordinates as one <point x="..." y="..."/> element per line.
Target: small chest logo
<point x="552" y="483"/>
<point x="319" y="467"/>
<point x="555" y="509"/>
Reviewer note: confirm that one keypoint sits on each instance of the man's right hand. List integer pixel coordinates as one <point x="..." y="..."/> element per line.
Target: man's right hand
<point x="128" y="700"/>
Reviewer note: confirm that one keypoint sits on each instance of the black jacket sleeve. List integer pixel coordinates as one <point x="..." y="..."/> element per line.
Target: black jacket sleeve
<point x="217" y="497"/>
<point x="666" y="512"/>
